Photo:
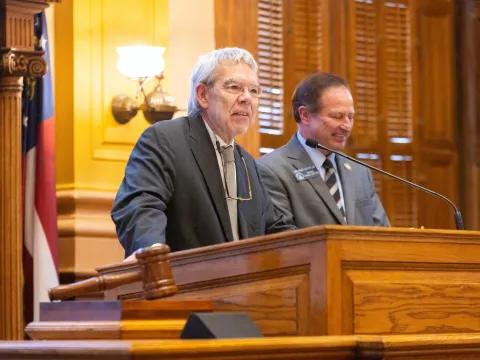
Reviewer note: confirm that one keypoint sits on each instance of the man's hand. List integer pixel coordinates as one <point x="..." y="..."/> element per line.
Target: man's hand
<point x="133" y="258"/>
<point x="130" y="258"/>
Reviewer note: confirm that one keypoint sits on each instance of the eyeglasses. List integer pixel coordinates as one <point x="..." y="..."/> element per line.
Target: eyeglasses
<point x="220" y="150"/>
<point x="236" y="88"/>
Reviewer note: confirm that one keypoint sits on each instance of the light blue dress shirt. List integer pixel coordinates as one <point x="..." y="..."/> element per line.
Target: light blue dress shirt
<point x="318" y="159"/>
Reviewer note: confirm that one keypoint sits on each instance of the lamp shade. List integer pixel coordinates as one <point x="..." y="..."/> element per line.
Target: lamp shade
<point x="140" y="61"/>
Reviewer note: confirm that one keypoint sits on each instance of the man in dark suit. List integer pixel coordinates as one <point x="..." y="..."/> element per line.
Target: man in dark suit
<point x="187" y="183"/>
<point x="312" y="186"/>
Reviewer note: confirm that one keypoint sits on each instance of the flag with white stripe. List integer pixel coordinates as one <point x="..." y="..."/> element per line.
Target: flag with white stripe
<point x="40" y="210"/>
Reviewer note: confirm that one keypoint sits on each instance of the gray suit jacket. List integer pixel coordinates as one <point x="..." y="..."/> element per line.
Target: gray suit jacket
<point x="173" y="193"/>
<point x="308" y="202"/>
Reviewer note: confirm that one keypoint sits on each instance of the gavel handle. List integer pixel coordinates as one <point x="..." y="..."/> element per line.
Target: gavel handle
<point x="94" y="284"/>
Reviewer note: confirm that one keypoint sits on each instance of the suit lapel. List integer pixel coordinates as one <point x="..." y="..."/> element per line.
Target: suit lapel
<point x="300" y="159"/>
<point x="206" y="158"/>
<point x="242" y="191"/>
<point x="348" y="187"/>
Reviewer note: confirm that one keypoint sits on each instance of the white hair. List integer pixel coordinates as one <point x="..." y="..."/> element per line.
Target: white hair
<point x="204" y="71"/>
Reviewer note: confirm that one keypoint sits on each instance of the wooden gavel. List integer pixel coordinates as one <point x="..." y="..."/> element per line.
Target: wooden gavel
<point x="154" y="271"/>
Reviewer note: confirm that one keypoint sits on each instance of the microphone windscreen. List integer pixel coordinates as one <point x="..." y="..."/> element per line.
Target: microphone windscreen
<point x="312" y="143"/>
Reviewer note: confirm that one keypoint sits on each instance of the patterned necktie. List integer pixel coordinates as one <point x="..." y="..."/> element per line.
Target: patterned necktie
<point x="230" y="182"/>
<point x="332" y="184"/>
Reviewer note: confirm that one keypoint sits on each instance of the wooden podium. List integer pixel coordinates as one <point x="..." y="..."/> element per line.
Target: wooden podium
<point x="334" y="280"/>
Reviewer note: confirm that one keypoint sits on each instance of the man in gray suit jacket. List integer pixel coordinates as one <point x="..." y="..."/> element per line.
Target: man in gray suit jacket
<point x="311" y="186"/>
<point x="179" y="187"/>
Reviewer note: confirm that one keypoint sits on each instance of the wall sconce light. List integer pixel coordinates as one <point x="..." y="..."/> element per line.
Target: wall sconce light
<point x="141" y="63"/>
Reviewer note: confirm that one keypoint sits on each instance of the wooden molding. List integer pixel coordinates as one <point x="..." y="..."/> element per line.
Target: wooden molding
<point x="412" y="347"/>
<point x="84" y="224"/>
<point x="85" y="213"/>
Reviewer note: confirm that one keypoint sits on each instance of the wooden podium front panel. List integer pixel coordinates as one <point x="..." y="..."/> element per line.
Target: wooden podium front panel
<point x="272" y="285"/>
<point x="278" y="303"/>
<point x="406" y="287"/>
<point x="280" y="281"/>
<point x="414" y="302"/>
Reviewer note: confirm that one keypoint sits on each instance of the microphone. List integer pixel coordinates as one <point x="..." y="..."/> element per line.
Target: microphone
<point x="456" y="214"/>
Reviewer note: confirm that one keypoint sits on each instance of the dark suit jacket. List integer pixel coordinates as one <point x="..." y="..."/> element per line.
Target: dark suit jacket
<point x="308" y="203"/>
<point x="173" y="193"/>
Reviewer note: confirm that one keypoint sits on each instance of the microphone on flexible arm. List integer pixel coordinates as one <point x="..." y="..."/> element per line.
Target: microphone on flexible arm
<point x="456" y="214"/>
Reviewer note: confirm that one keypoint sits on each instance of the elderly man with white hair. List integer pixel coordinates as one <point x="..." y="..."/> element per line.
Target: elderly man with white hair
<point x="188" y="183"/>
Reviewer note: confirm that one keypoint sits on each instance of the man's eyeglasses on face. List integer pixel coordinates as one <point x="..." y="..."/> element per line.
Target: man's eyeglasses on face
<point x="237" y="89"/>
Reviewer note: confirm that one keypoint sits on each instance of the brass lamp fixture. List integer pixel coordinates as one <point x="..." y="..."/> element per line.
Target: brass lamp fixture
<point x="142" y="63"/>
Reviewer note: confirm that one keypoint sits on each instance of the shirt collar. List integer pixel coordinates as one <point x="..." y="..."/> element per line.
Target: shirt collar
<point x="214" y="138"/>
<point x="315" y="153"/>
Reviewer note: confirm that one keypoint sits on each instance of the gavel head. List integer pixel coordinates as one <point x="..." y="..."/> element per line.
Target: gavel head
<point x="157" y="275"/>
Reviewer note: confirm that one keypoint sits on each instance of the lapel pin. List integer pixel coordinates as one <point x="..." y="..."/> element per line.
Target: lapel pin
<point x="347" y="166"/>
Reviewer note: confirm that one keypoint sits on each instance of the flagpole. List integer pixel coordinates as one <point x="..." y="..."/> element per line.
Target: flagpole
<point x="17" y="59"/>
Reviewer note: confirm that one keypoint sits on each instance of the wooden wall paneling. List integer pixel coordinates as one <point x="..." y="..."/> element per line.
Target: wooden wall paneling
<point x="436" y="96"/>
<point x="415" y="109"/>
<point x="468" y="85"/>
<point x="237" y="26"/>
<point x="477" y="97"/>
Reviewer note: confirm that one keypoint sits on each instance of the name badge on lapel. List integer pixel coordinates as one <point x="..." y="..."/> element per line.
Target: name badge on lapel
<point x="306" y="173"/>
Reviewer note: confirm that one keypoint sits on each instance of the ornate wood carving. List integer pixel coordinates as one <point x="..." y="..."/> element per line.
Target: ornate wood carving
<point x="22" y="63"/>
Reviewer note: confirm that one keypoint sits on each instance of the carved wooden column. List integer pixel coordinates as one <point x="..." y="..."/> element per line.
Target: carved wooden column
<point x="17" y="59"/>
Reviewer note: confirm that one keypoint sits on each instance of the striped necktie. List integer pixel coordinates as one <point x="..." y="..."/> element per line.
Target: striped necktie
<point x="332" y="184"/>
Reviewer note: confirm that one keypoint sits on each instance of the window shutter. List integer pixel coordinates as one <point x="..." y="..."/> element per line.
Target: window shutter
<point x="294" y="28"/>
<point x="365" y="72"/>
<point x="307" y="30"/>
<point x="374" y="160"/>
<point x="399" y="120"/>
<point x="399" y="73"/>
<point x="402" y="195"/>
<point x="271" y="66"/>
<point x="382" y="83"/>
